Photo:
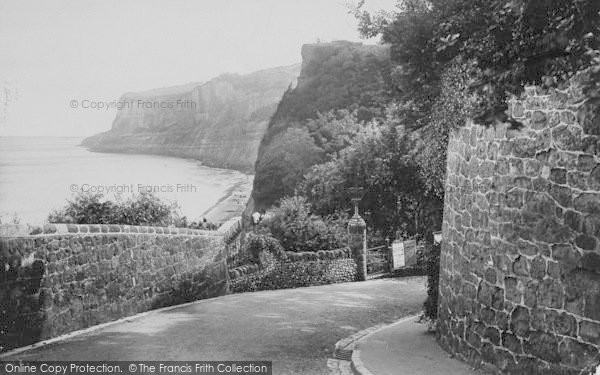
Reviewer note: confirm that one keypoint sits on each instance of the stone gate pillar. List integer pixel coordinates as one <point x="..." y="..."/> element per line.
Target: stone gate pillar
<point x="357" y="242"/>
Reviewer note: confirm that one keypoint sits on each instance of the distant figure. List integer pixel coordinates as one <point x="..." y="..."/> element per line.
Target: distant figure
<point x="256" y="217"/>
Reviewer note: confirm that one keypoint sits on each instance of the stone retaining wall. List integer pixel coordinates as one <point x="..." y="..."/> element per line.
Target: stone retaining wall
<point x="520" y="262"/>
<point x="297" y="270"/>
<point x="59" y="278"/>
<point x="233" y="235"/>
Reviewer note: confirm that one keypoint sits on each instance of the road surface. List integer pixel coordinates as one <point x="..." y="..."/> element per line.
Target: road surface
<point x="295" y="328"/>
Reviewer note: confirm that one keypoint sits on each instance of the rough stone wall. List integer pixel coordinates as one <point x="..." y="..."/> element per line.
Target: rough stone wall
<point x="233" y="235"/>
<point x="520" y="262"/>
<point x="61" y="278"/>
<point x="298" y="270"/>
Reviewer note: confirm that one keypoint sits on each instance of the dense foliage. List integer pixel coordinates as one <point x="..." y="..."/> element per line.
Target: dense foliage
<point x="340" y="81"/>
<point x="256" y="243"/>
<point x="142" y="209"/>
<point x="283" y="163"/>
<point x="498" y="47"/>
<point x="379" y="160"/>
<point x="511" y="42"/>
<point x="297" y="229"/>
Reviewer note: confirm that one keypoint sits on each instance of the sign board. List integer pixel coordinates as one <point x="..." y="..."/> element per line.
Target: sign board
<point x="397" y="254"/>
<point x="437" y="237"/>
<point x="410" y="252"/>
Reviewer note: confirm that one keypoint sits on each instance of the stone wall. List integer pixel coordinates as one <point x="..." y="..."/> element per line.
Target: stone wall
<point x="297" y="270"/>
<point x="233" y="236"/>
<point x="59" y="278"/>
<point x="520" y="262"/>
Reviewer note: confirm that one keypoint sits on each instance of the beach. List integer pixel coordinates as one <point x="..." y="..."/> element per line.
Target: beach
<point x="232" y="203"/>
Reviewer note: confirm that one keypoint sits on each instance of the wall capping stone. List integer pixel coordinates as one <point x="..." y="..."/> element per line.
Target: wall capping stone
<point x="341" y="253"/>
<point x="231" y="228"/>
<point x="27" y="230"/>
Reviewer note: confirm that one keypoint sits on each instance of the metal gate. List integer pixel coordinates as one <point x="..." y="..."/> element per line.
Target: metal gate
<point x="378" y="260"/>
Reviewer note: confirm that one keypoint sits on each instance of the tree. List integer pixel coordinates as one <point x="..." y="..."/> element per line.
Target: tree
<point x="283" y="164"/>
<point x="495" y="47"/>
<point x="380" y="161"/>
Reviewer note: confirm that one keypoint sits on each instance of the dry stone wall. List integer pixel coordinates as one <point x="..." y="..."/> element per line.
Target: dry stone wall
<point x="520" y="262"/>
<point x="59" y="278"/>
<point x="297" y="270"/>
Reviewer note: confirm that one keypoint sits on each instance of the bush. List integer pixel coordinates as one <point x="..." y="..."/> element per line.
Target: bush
<point x="433" y="281"/>
<point x="258" y="243"/>
<point x="145" y="209"/>
<point x="297" y="229"/>
<point x="183" y="222"/>
<point x="85" y="209"/>
<point x="142" y="209"/>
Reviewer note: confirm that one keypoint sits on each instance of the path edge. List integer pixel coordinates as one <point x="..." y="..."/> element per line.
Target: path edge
<point x="347" y="356"/>
<point x="126" y="319"/>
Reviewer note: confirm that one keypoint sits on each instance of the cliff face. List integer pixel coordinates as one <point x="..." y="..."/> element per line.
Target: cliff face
<point x="335" y="76"/>
<point x="220" y="122"/>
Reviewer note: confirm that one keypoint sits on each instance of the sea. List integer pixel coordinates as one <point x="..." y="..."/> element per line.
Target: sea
<point x="39" y="175"/>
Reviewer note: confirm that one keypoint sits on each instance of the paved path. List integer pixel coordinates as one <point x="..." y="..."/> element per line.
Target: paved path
<point x="295" y="328"/>
<point x="407" y="348"/>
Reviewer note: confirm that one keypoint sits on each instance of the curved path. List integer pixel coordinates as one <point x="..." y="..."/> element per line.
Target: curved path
<point x="295" y="328"/>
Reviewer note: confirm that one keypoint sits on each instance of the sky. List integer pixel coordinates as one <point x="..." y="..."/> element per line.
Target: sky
<point x="55" y="52"/>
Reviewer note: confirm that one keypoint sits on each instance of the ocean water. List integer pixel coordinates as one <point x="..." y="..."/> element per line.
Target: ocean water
<point x="39" y="174"/>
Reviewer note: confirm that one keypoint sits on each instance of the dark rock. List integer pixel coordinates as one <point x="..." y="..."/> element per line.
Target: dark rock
<point x="590" y="331"/>
<point x="576" y="354"/>
<point x="577" y="180"/>
<point x="573" y="220"/>
<point x="585" y="242"/>
<point x="591" y="225"/>
<point x="561" y="194"/>
<point x="549" y="230"/>
<point x="566" y="324"/>
<point x="588" y="202"/>
<point x="590" y="262"/>
<point x="511" y="286"/>
<point x="512" y="343"/>
<point x="538" y="268"/>
<point x="551" y="294"/>
<point x="594" y="179"/>
<point x="585" y="163"/>
<point x="558" y="175"/>
<point x="567" y="137"/>
<point x="492" y="335"/>
<point x="538" y="120"/>
<point x="520" y="266"/>
<point x="543" y="345"/>
<point x="519" y="321"/>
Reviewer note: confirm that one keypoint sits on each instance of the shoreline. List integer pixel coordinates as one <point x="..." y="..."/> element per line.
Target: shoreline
<point x="228" y="201"/>
<point x="232" y="203"/>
